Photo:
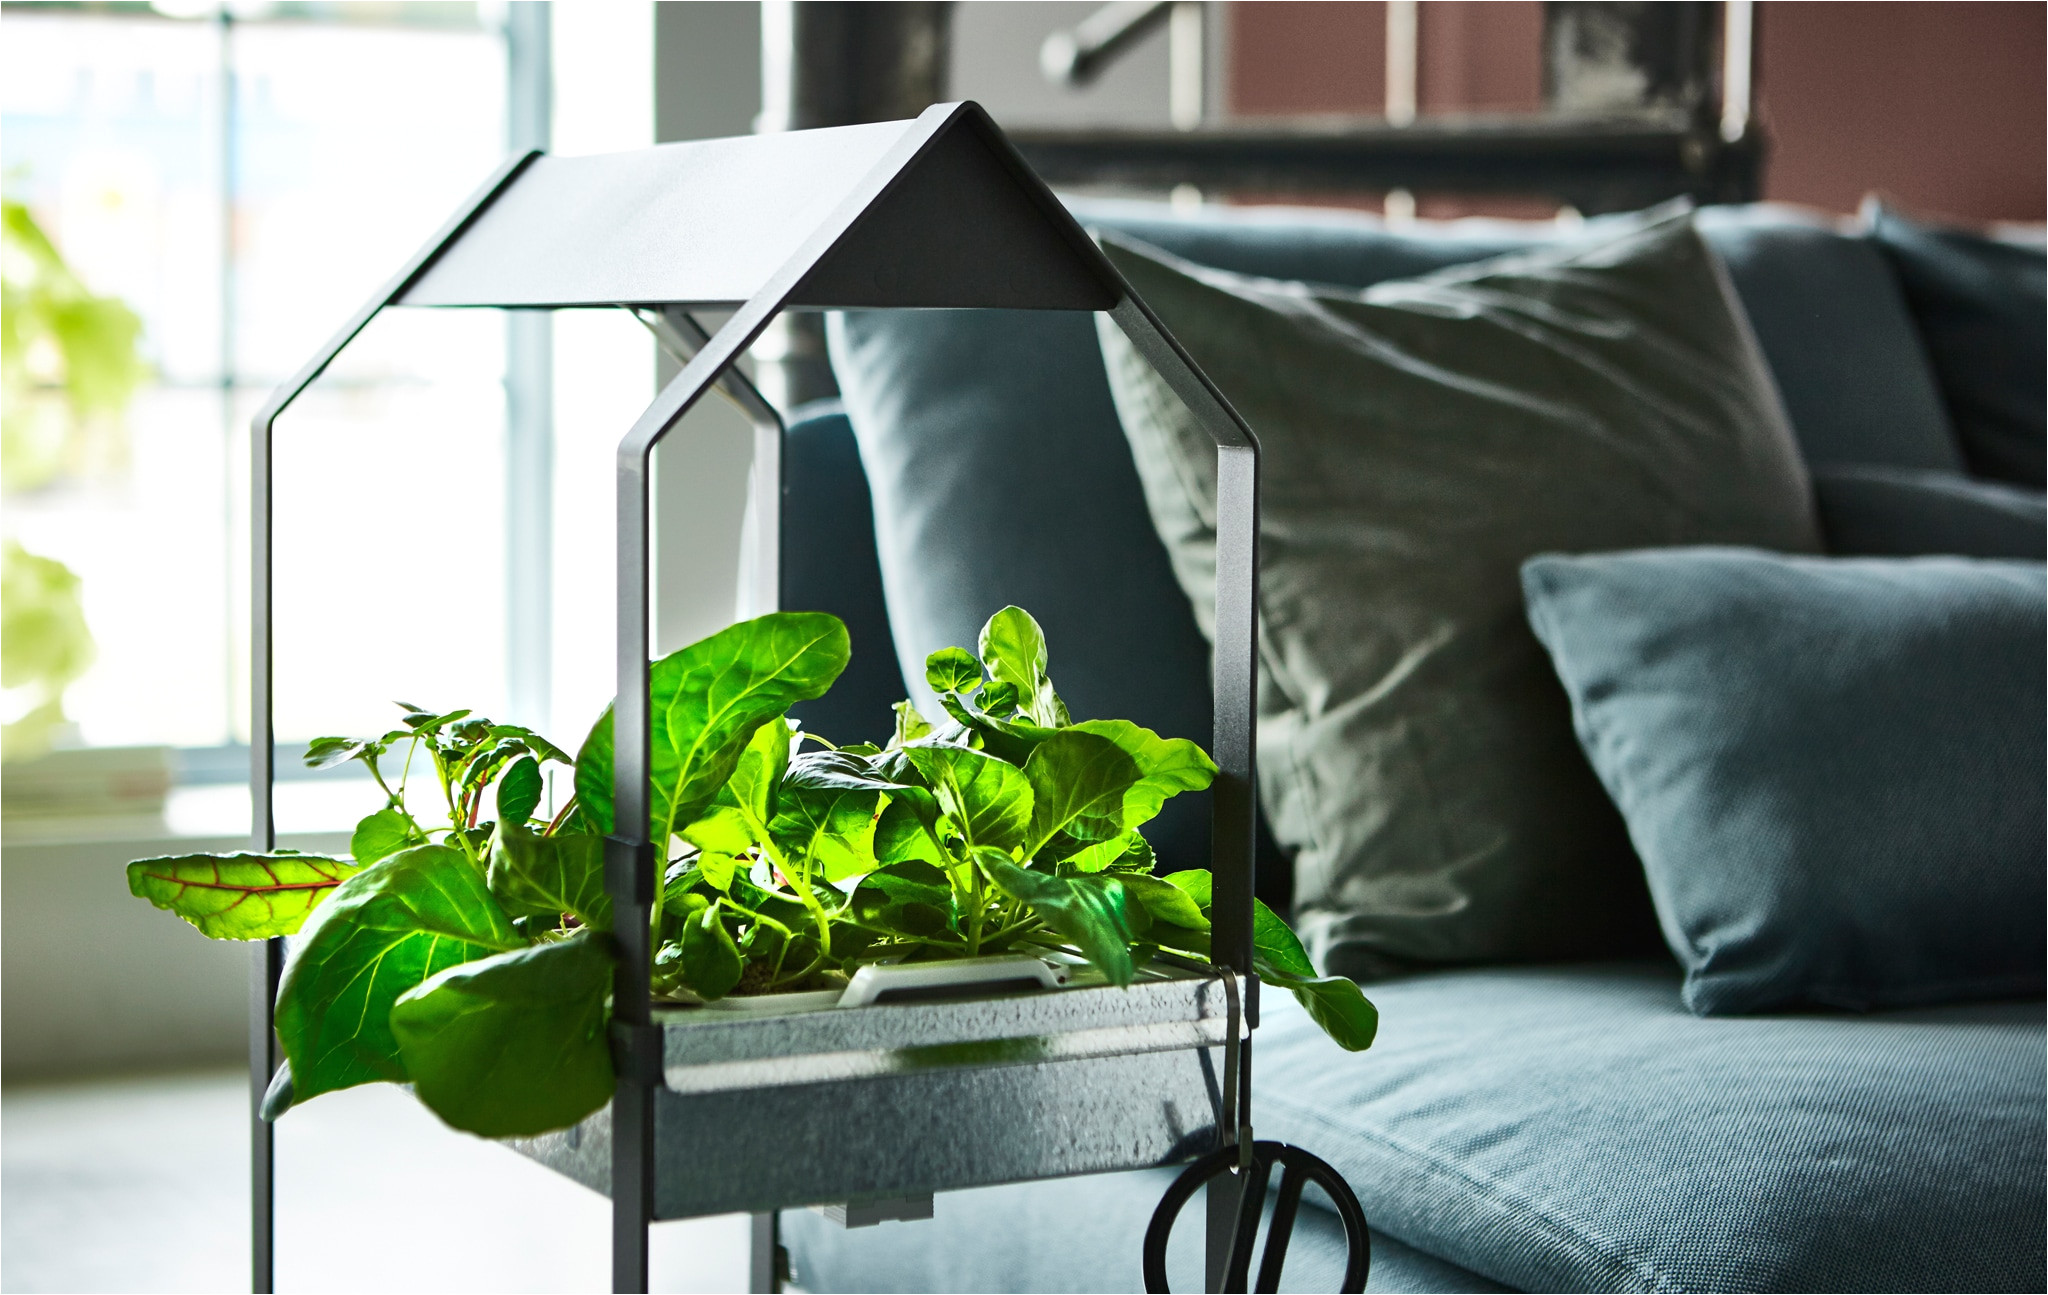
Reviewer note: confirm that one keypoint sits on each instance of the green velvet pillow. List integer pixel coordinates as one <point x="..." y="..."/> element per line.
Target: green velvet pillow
<point x="1420" y="439"/>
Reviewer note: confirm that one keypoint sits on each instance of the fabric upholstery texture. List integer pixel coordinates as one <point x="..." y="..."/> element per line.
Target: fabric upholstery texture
<point x="1901" y="512"/>
<point x="828" y="564"/>
<point x="1833" y="769"/>
<point x="1420" y="439"/>
<point x="1982" y="310"/>
<point x="1574" y="1128"/>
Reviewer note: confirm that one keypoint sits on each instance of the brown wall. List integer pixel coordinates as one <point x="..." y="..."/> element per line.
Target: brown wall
<point x="1939" y="105"/>
<point x="1291" y="58"/>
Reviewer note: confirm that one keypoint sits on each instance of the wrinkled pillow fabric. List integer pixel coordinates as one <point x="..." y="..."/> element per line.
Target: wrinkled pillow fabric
<point x="1833" y="768"/>
<point x="1901" y="512"/>
<point x="1982" y="309"/>
<point x="1420" y="439"/>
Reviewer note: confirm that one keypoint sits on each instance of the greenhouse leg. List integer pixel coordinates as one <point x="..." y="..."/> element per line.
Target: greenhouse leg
<point x="767" y="1264"/>
<point x="1218" y="1226"/>
<point x="632" y="1182"/>
<point x="267" y="965"/>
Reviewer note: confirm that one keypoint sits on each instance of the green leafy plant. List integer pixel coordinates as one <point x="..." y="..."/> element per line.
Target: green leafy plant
<point x="70" y="361"/>
<point x="472" y="957"/>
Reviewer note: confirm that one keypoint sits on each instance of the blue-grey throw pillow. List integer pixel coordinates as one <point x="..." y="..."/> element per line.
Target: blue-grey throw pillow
<point x="1982" y="309"/>
<point x="1868" y="511"/>
<point x="1832" y="768"/>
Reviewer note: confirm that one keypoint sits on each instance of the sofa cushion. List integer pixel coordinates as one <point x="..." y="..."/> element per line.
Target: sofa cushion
<point x="1575" y="1128"/>
<point x="828" y="564"/>
<point x="1842" y="345"/>
<point x="1419" y="440"/>
<point x="1825" y="305"/>
<point x="1900" y="512"/>
<point x="1982" y="309"/>
<point x="1833" y="768"/>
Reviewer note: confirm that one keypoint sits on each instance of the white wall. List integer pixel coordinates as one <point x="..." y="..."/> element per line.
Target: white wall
<point x="94" y="979"/>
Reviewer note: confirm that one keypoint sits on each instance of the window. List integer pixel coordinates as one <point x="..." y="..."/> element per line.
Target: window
<point x="243" y="182"/>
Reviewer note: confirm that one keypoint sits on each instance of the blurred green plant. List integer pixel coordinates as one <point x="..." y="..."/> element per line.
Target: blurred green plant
<point x="44" y="646"/>
<point x="69" y="364"/>
<point x="69" y="359"/>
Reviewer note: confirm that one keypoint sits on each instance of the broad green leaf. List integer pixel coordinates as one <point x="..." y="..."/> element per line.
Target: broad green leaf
<point x="708" y="701"/>
<point x="1272" y="938"/>
<point x="1137" y="856"/>
<point x="1102" y="855"/>
<point x="280" y="1095"/>
<point x="997" y="700"/>
<point x="1096" y="913"/>
<point x="1013" y="649"/>
<point x="1078" y="783"/>
<point x="1005" y="739"/>
<point x="1275" y="941"/>
<point x="547" y="876"/>
<point x="384" y="930"/>
<point x="512" y="1045"/>
<point x="711" y="963"/>
<point x="759" y="772"/>
<point x="831" y="829"/>
<point x="519" y="790"/>
<point x="1168" y="766"/>
<point x="952" y="670"/>
<point x="1336" y="1004"/>
<point x="381" y="834"/>
<point x="910" y="725"/>
<point x="539" y="745"/>
<point x="989" y="800"/>
<point x="239" y="896"/>
<point x="323" y="752"/>
<point x="717" y="869"/>
<point x="723" y="829"/>
<point x="1166" y="903"/>
<point x="901" y="833"/>
<point x="838" y="771"/>
<point x="1199" y="884"/>
<point x="909" y="898"/>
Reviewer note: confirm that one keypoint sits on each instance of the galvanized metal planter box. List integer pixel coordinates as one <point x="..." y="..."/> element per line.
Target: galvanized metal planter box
<point x="849" y="1105"/>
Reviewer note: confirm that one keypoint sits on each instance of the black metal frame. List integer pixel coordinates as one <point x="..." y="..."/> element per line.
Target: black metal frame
<point x="1594" y="164"/>
<point x="949" y="216"/>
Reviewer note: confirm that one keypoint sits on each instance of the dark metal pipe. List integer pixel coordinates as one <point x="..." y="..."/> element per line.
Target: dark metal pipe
<point x="1075" y="58"/>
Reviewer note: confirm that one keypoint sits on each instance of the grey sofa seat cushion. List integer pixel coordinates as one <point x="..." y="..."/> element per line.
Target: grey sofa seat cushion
<point x="1075" y="1234"/>
<point x="1575" y="1128"/>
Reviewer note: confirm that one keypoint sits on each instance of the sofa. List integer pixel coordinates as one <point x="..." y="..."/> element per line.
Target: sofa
<point x="1534" y="1125"/>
